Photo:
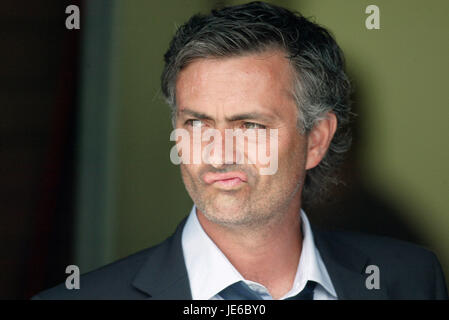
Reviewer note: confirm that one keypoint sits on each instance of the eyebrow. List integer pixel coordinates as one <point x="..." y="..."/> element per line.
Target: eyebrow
<point x="241" y="116"/>
<point x="195" y="114"/>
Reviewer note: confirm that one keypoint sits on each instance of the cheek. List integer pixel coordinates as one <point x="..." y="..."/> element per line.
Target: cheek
<point x="187" y="174"/>
<point x="292" y="152"/>
<point x="191" y="175"/>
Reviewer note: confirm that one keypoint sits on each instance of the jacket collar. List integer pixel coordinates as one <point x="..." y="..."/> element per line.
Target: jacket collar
<point x="164" y="275"/>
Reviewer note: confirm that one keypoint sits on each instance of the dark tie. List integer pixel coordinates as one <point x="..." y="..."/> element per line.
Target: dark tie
<point x="241" y="291"/>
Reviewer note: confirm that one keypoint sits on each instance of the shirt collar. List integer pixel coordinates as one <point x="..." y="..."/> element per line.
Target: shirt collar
<point x="209" y="270"/>
<point x="311" y="265"/>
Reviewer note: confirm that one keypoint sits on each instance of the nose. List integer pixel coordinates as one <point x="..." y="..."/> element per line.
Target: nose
<point x="219" y="151"/>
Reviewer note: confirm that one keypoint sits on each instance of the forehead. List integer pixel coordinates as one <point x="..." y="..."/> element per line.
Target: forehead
<point x="256" y="81"/>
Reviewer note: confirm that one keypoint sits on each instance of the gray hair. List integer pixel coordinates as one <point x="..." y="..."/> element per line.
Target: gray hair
<point x="320" y="86"/>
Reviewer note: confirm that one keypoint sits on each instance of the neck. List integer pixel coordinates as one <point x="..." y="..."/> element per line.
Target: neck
<point x="268" y="254"/>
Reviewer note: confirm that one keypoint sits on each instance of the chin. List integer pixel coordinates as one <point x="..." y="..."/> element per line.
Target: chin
<point x="224" y="212"/>
<point x="226" y="209"/>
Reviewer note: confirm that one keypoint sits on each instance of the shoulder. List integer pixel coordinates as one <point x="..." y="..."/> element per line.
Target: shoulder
<point x="112" y="281"/>
<point x="133" y="277"/>
<point x="406" y="268"/>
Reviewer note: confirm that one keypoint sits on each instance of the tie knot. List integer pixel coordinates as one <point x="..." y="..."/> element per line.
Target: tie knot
<point x="241" y="291"/>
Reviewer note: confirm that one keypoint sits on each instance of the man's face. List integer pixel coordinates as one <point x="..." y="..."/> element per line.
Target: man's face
<point x="247" y="92"/>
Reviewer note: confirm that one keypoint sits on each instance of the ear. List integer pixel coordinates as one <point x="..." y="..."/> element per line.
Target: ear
<point x="319" y="139"/>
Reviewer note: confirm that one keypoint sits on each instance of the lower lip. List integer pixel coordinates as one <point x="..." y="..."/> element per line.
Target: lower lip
<point x="228" y="183"/>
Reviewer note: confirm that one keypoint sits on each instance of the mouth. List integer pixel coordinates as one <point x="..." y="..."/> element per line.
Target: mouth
<point x="226" y="181"/>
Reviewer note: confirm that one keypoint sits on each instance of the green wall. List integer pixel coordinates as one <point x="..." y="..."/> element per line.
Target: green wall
<point x="400" y="74"/>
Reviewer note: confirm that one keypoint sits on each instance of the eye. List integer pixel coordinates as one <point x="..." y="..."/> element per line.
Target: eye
<point x="253" y="125"/>
<point x="194" y="123"/>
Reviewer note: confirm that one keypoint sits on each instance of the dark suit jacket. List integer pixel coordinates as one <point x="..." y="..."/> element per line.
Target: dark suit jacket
<point x="406" y="271"/>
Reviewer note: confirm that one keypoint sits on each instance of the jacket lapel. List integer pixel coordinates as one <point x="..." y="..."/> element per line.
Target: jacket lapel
<point x="164" y="275"/>
<point x="346" y="266"/>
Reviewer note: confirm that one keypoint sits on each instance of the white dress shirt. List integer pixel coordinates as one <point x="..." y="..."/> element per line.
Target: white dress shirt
<point x="209" y="270"/>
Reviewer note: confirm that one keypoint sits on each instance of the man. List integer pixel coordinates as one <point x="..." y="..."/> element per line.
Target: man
<point x="259" y="68"/>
